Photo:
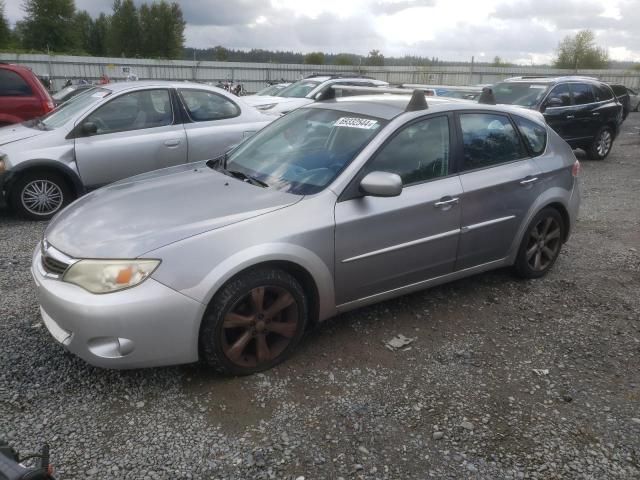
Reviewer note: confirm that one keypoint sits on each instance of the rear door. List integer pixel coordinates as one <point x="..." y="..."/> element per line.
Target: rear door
<point x="499" y="182"/>
<point x="587" y="120"/>
<point x="383" y="244"/>
<point x="18" y="101"/>
<point x="136" y="132"/>
<point x="214" y="123"/>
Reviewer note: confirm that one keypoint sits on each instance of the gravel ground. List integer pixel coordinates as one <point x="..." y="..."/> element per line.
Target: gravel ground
<point x="505" y="378"/>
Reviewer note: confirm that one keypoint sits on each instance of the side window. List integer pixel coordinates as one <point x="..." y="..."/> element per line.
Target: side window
<point x="619" y="90"/>
<point x="417" y="153"/>
<point x="204" y="106"/>
<point x="133" y="111"/>
<point x="489" y="139"/>
<point x="582" y="93"/>
<point x="13" y="85"/>
<point x="535" y="136"/>
<point x="602" y="92"/>
<point x="561" y="92"/>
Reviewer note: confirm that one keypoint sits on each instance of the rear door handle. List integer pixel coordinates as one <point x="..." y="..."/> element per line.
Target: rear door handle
<point x="569" y="117"/>
<point x="595" y="113"/>
<point x="446" y="202"/>
<point x="174" y="142"/>
<point x="528" y="181"/>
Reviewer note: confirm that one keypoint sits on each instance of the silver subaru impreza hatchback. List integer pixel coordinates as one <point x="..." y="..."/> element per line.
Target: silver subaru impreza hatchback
<point x="340" y="204"/>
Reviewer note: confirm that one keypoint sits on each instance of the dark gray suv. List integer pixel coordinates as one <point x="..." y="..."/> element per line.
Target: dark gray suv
<point x="582" y="110"/>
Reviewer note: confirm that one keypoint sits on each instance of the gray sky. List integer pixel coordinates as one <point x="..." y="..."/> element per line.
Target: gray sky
<point x="519" y="31"/>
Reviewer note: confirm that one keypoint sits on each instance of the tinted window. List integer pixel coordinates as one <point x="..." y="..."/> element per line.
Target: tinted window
<point x="561" y="92"/>
<point x="535" y="136"/>
<point x="582" y="93"/>
<point x="204" y="106"/>
<point x="13" y="85"/>
<point x="603" y="92"/>
<point x="133" y="111"/>
<point x="417" y="153"/>
<point x="489" y="139"/>
<point x="619" y="89"/>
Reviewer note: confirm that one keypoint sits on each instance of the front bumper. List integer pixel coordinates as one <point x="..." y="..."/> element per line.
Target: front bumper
<point x="145" y="326"/>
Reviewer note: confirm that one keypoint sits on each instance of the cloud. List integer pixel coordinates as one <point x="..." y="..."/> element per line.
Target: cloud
<point x="393" y="7"/>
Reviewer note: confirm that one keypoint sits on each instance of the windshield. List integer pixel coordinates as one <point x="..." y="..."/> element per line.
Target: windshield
<point x="63" y="93"/>
<point x="271" y="90"/>
<point x="299" y="89"/>
<point x="305" y="150"/>
<point x="68" y="110"/>
<point x="524" y="94"/>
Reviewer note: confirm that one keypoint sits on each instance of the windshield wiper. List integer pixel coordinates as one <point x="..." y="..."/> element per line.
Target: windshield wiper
<point x="246" y="178"/>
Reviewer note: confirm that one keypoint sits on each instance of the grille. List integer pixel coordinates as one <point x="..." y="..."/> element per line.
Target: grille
<point x="51" y="265"/>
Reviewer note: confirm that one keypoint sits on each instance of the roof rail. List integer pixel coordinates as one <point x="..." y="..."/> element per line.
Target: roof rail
<point x="444" y="87"/>
<point x="338" y="75"/>
<point x="418" y="99"/>
<point x="486" y="97"/>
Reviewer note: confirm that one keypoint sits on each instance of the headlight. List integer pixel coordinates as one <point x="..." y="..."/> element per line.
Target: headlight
<point x="266" y="107"/>
<point x="105" y="276"/>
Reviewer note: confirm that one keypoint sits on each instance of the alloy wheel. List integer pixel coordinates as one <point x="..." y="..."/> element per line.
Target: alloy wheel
<point x="604" y="143"/>
<point x="260" y="326"/>
<point x="41" y="197"/>
<point x="544" y="244"/>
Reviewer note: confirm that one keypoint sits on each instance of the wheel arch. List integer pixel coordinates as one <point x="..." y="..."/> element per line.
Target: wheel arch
<point x="24" y="168"/>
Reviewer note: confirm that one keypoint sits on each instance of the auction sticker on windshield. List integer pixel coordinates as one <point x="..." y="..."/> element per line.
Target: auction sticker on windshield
<point x="353" y="122"/>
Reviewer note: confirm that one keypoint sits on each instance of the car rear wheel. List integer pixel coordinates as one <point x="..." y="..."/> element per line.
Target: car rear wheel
<point x="40" y="195"/>
<point x="541" y="244"/>
<point x="254" y="323"/>
<point x="602" y="144"/>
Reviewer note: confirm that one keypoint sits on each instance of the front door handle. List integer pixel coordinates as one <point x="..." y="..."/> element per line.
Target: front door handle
<point x="446" y="203"/>
<point x="528" y="181"/>
<point x="569" y="117"/>
<point x="174" y="142"/>
<point x="595" y="114"/>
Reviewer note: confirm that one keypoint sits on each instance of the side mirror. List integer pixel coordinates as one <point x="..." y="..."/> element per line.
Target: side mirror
<point x="553" y="102"/>
<point x="381" y="184"/>
<point x="89" y="128"/>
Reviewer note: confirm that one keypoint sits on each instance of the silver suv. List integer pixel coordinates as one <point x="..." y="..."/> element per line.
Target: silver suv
<point x="115" y="131"/>
<point x="337" y="205"/>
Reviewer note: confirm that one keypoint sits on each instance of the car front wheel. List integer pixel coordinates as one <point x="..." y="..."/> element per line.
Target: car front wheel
<point x="40" y="195"/>
<point x="254" y="323"/>
<point x="602" y="144"/>
<point x="541" y="244"/>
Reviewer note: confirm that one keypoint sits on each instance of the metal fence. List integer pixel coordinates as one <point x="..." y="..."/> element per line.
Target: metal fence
<point x="255" y="76"/>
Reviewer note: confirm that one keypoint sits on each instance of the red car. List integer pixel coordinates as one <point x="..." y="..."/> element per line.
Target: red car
<point x="22" y="96"/>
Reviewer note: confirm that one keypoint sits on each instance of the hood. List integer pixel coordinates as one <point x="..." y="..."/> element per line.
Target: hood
<point x="257" y="100"/>
<point x="131" y="217"/>
<point x="13" y="133"/>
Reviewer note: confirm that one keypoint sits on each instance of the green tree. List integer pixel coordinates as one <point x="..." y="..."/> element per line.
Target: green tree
<point x="375" y="59"/>
<point x="581" y="51"/>
<point x="5" y="32"/>
<point x="161" y="30"/>
<point x="314" y="58"/>
<point x="48" y="24"/>
<point x="123" y="38"/>
<point x="220" y="53"/>
<point x="98" y="36"/>
<point x="82" y="28"/>
<point x="343" y="59"/>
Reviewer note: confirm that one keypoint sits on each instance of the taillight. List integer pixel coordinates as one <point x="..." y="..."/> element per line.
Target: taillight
<point x="575" y="170"/>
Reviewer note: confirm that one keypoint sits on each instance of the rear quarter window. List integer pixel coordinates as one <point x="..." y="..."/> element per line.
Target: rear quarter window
<point x="13" y="85"/>
<point x="534" y="135"/>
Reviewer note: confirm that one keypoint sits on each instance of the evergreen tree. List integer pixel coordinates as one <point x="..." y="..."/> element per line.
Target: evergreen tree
<point x="98" y="36"/>
<point x="82" y="28"/>
<point x="161" y="30"/>
<point x="123" y="38"/>
<point x="5" y="33"/>
<point x="48" y="24"/>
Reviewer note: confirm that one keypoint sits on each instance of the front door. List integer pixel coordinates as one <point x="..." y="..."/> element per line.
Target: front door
<point x="134" y="133"/>
<point x="499" y="183"/>
<point x="560" y="117"/>
<point x="383" y="244"/>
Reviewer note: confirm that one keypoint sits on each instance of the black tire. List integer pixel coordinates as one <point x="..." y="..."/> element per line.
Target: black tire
<point x="602" y="144"/>
<point x="22" y="192"/>
<point x="538" y="263"/>
<point x="218" y="339"/>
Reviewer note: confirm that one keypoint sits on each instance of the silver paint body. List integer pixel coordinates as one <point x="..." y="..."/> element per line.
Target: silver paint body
<point x="101" y="159"/>
<point x="207" y="227"/>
